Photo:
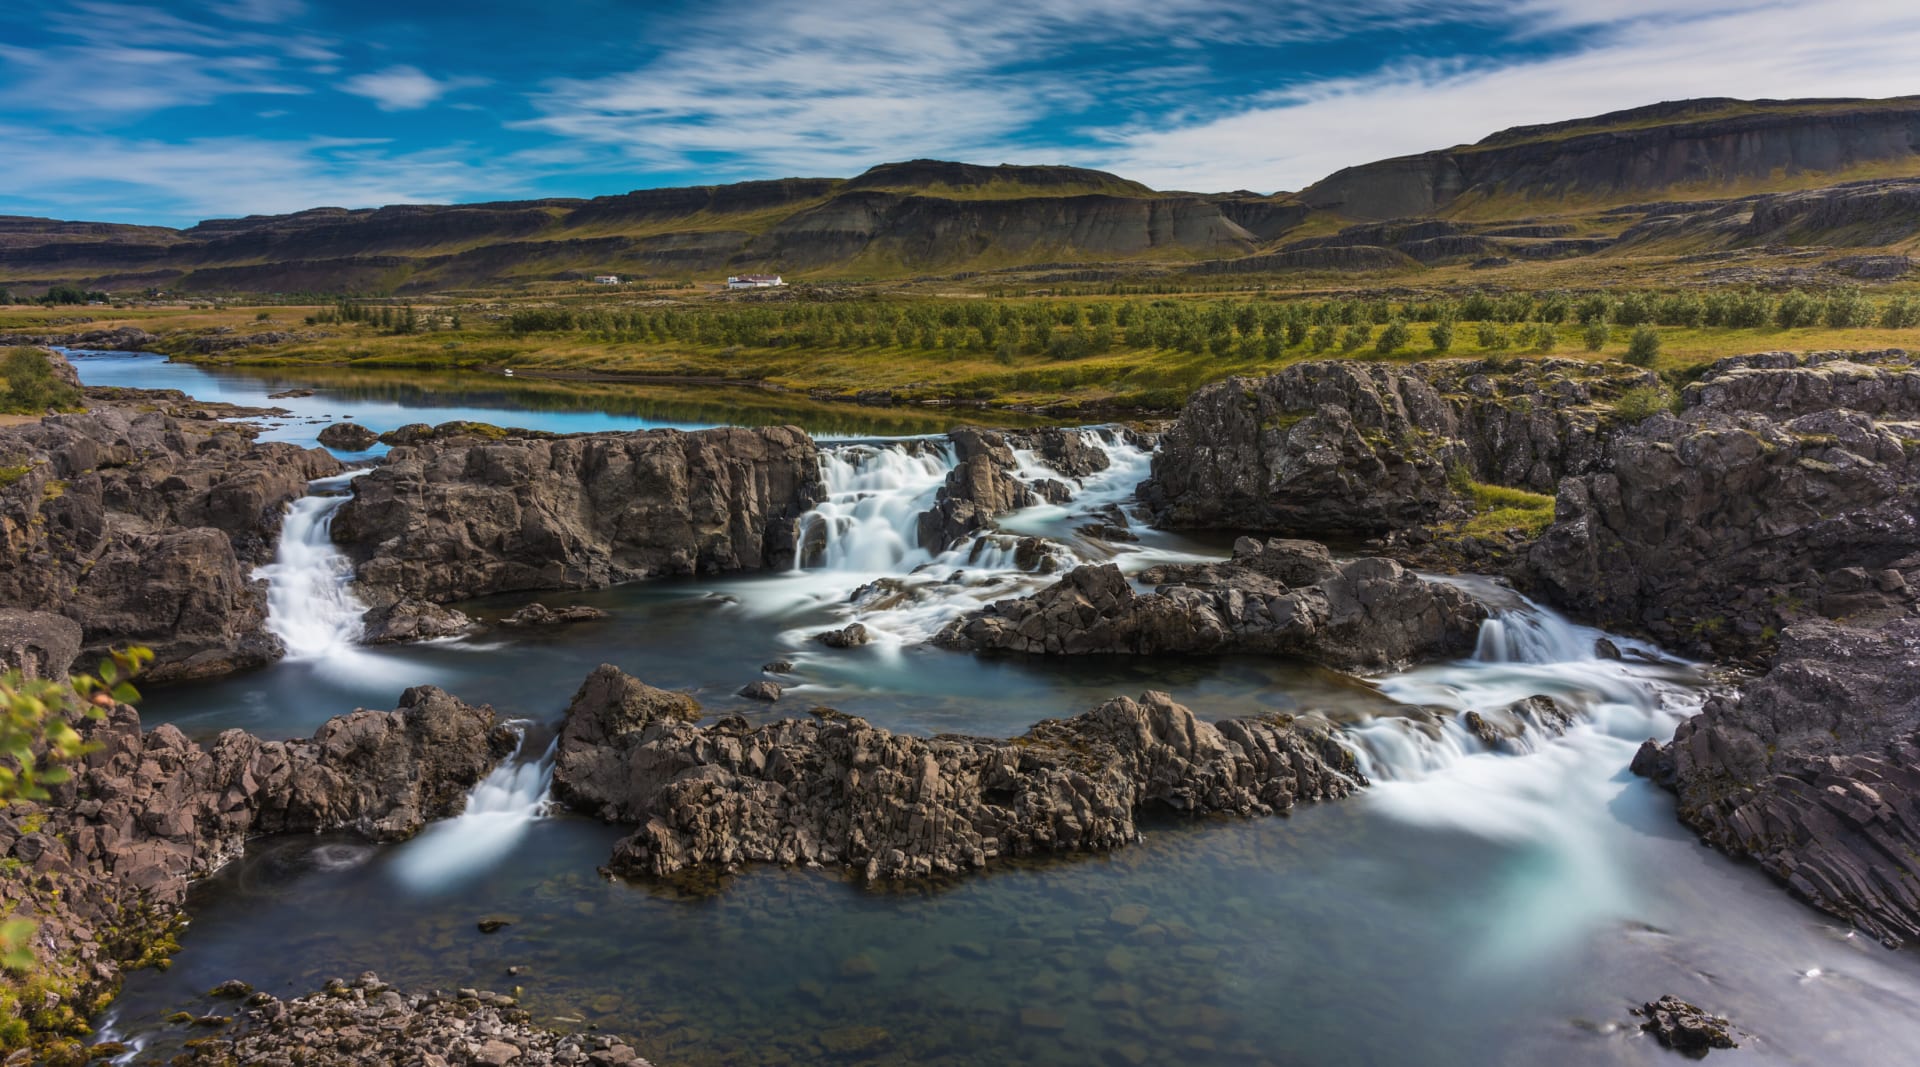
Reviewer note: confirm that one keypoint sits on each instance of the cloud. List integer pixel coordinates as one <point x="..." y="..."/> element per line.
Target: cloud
<point x="403" y="88"/>
<point x="268" y="11"/>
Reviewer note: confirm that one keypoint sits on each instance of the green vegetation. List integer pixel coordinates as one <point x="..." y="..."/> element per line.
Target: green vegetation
<point x="1644" y="347"/>
<point x="1597" y="335"/>
<point x="1644" y="402"/>
<point x="1498" y="508"/>
<point x="28" y="385"/>
<point x="1394" y="338"/>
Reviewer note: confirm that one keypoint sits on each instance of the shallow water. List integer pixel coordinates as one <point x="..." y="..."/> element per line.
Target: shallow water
<point x="1472" y="907"/>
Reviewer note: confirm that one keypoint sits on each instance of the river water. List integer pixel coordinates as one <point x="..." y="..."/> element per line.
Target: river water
<point x="1472" y="907"/>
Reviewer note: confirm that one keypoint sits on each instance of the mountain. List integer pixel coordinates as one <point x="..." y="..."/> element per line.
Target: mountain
<point x="1685" y="178"/>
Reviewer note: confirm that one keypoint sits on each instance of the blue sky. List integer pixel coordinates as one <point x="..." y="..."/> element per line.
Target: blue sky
<point x="172" y="112"/>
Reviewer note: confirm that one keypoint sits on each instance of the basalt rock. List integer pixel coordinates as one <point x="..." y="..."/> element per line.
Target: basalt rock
<point x="468" y="510"/>
<point x="1787" y="488"/>
<point x="412" y="620"/>
<point x="1355" y="449"/>
<point x="1813" y="771"/>
<point x="835" y="789"/>
<point x="1685" y="1028"/>
<point x="1280" y="598"/>
<point x="145" y="528"/>
<point x="852" y="635"/>
<point x="105" y="862"/>
<point x="981" y="487"/>
<point x="542" y="615"/>
<point x="363" y="1022"/>
<point x="38" y="644"/>
<point x="348" y="437"/>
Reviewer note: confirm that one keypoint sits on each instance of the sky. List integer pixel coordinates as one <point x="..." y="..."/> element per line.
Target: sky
<point x="168" y="113"/>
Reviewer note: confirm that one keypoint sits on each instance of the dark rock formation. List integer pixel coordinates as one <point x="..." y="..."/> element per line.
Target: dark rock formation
<point x="835" y="789"/>
<point x="852" y="635"/>
<point x="541" y="615"/>
<point x="470" y="510"/>
<point x="1283" y="598"/>
<point x="762" y="690"/>
<point x="1684" y="1028"/>
<point x="412" y="620"/>
<point x="981" y="487"/>
<point x="1813" y="770"/>
<point x="1788" y="488"/>
<point x="1348" y="448"/>
<point x="38" y="644"/>
<point x="108" y="858"/>
<point x="348" y="437"/>
<point x="363" y="1022"/>
<point x="145" y="527"/>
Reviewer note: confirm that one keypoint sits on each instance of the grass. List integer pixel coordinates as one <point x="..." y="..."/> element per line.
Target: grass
<point x="1499" y="509"/>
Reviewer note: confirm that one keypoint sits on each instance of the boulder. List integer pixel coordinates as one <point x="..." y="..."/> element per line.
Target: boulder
<point x="467" y="510"/>
<point x="541" y="615"/>
<point x="834" y="789"/>
<point x="38" y="644"/>
<point x="412" y="620"/>
<point x="348" y="437"/>
<point x="1685" y="1028"/>
<point x="981" y="487"/>
<point x="1813" y="771"/>
<point x="762" y="690"/>
<point x="852" y="635"/>
<point x="1370" y="614"/>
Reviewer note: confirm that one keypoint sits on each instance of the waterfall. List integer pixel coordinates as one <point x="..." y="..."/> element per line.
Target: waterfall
<point x="310" y="604"/>
<point x="869" y="523"/>
<point x="498" y="814"/>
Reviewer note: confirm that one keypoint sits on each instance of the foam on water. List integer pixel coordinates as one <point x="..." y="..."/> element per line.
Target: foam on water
<point x="499" y="812"/>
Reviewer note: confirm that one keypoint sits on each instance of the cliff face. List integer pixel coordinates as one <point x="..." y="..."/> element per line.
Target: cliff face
<point x="1631" y="154"/>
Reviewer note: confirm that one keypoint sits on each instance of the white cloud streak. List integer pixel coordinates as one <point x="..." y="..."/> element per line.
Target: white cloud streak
<point x="404" y="88"/>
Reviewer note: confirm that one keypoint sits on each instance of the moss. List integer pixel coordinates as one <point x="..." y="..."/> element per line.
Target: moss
<point x="1499" y="508"/>
<point x="54" y="490"/>
<point x="1283" y="421"/>
<point x="10" y="475"/>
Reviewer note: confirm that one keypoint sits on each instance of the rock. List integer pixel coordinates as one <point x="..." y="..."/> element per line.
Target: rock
<point x="145" y="529"/>
<point x="38" y="644"/>
<point x="348" y="437"/>
<point x="541" y="615"/>
<point x="1604" y="648"/>
<point x="1353" y="449"/>
<point x="979" y="489"/>
<point x="833" y="789"/>
<point x="1684" y="1028"/>
<point x="365" y="1022"/>
<point x="1369" y="614"/>
<point x="149" y="811"/>
<point x="609" y="711"/>
<point x="1813" y="771"/>
<point x="412" y="620"/>
<point x="852" y="635"/>
<point x="493" y="926"/>
<point x="464" y="510"/>
<point x="762" y="690"/>
<point x="1783" y="491"/>
<point x="778" y="666"/>
<point x="232" y="989"/>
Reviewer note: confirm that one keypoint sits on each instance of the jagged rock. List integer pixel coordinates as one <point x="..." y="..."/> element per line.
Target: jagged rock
<point x="469" y="510"/>
<point x="412" y="620"/>
<point x="852" y="635"/>
<point x="1813" y="770"/>
<point x="778" y="666"/>
<point x="1367" y="615"/>
<point x="38" y="644"/>
<point x="607" y="712"/>
<point x="761" y="690"/>
<point x="980" y="488"/>
<point x="114" y="849"/>
<point x="363" y="1022"/>
<point x="1066" y="451"/>
<point x="834" y="789"/>
<point x="1353" y="449"/>
<point x="1684" y="1028"/>
<point x="145" y="529"/>
<point x="540" y="615"/>
<point x="348" y="437"/>
<point x="1760" y="504"/>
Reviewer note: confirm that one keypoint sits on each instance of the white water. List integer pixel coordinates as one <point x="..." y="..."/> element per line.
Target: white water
<point x="869" y="564"/>
<point x="499" y="812"/>
<point x="310" y="605"/>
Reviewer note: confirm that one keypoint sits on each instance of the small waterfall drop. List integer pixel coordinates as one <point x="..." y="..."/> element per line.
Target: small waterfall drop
<point x="869" y="523"/>
<point x="310" y="603"/>
<point x="499" y="812"/>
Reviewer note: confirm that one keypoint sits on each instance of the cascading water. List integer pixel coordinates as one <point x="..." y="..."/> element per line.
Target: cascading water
<point x="499" y="812"/>
<point x="869" y="523"/>
<point x="310" y="605"/>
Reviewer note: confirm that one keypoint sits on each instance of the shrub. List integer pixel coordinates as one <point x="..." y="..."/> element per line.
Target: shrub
<point x="1395" y="337"/>
<point x="1441" y="335"/>
<point x="1796" y="309"/>
<point x="1491" y="337"/>
<point x="1322" y="338"/>
<point x="1901" y="313"/>
<point x="1597" y="335"/>
<point x="1644" y="347"/>
<point x="1847" y="308"/>
<point x="1643" y="402"/>
<point x="1545" y="337"/>
<point x="27" y="384"/>
<point x="1355" y="338"/>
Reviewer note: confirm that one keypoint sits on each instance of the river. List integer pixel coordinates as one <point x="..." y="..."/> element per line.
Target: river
<point x="1472" y="907"/>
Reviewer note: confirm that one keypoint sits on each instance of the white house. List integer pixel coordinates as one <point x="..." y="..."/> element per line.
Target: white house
<point x="754" y="281"/>
<point x="606" y="279"/>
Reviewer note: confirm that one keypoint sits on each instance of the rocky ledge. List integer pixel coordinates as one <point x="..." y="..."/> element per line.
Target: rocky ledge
<point x="464" y="510"/>
<point x="985" y="484"/>
<point x="142" y="520"/>
<point x="1348" y="448"/>
<point x="1784" y="489"/>
<point x="1813" y="771"/>
<point x="834" y="789"/>
<point x="351" y="1024"/>
<point x="1275" y="598"/>
<point x="104" y="863"/>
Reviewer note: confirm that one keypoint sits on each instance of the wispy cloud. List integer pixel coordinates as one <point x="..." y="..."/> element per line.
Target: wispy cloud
<point x="404" y="88"/>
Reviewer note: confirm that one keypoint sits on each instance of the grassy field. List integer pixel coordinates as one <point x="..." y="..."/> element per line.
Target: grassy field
<point x="1121" y="375"/>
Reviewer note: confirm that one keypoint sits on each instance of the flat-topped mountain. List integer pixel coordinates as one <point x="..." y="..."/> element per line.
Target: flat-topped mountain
<point x="1687" y="176"/>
